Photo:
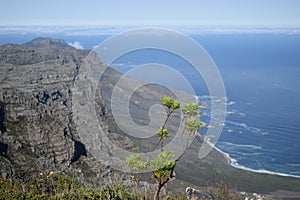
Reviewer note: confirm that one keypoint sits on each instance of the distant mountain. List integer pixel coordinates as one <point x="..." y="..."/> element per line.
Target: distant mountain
<point x="47" y="42"/>
<point x="38" y="50"/>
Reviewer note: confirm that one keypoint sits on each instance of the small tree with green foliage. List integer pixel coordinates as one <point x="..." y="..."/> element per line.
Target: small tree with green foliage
<point x="163" y="165"/>
<point x="136" y="163"/>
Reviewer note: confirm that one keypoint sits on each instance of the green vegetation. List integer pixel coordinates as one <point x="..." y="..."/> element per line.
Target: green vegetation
<point x="136" y="163"/>
<point x="162" y="166"/>
<point x="56" y="186"/>
<point x="223" y="190"/>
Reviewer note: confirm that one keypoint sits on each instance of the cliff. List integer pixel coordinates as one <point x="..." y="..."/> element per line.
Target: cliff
<point x="36" y="121"/>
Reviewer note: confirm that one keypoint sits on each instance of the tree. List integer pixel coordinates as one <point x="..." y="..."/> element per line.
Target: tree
<point x="136" y="163"/>
<point x="163" y="165"/>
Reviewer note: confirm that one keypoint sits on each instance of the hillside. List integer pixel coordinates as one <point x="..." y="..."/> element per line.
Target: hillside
<point x="39" y="133"/>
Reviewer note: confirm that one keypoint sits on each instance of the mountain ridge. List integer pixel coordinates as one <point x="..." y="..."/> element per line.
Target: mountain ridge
<point x="45" y="42"/>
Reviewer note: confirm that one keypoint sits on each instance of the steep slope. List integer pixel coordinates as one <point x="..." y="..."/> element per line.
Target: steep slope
<point x="37" y="130"/>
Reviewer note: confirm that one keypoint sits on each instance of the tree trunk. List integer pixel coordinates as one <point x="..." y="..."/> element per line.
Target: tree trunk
<point x="139" y="189"/>
<point x="157" y="191"/>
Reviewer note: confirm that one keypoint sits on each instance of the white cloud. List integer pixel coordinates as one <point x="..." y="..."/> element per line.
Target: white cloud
<point x="76" y="44"/>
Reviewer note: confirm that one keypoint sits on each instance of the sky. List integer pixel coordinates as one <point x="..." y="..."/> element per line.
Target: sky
<point x="249" y="13"/>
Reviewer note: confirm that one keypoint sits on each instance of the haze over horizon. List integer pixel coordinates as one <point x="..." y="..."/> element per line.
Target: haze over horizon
<point x="256" y="13"/>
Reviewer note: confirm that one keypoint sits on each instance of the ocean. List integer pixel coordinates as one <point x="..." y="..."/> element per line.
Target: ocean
<point x="261" y="74"/>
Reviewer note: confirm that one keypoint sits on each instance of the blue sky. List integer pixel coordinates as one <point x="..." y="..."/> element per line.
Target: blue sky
<point x="257" y="13"/>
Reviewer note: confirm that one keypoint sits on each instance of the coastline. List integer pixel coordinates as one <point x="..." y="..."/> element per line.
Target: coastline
<point x="233" y="162"/>
<point x="217" y="166"/>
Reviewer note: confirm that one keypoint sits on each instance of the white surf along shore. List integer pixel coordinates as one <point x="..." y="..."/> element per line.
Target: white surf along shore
<point x="234" y="163"/>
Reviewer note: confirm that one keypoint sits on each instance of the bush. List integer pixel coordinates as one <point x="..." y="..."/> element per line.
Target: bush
<point x="57" y="186"/>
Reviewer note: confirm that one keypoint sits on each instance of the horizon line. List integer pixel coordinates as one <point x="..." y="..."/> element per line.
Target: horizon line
<point x="154" y="25"/>
<point x="106" y="29"/>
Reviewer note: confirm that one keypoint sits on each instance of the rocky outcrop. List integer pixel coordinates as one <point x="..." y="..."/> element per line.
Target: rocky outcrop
<point x="47" y="42"/>
<point x="36" y="120"/>
<point x="194" y="194"/>
<point x="37" y="51"/>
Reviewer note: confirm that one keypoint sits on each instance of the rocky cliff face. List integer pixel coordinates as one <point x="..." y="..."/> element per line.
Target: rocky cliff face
<point x="37" y="130"/>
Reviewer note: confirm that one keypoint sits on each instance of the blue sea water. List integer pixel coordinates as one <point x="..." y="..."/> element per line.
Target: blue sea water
<point x="261" y="74"/>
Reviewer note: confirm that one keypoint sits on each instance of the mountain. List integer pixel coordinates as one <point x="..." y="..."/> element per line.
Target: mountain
<point x="39" y="133"/>
<point x="37" y="130"/>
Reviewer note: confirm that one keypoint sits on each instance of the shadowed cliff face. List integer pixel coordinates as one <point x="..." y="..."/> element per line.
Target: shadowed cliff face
<point x="37" y="129"/>
<point x="38" y="132"/>
<point x="35" y="95"/>
<point x="2" y="116"/>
